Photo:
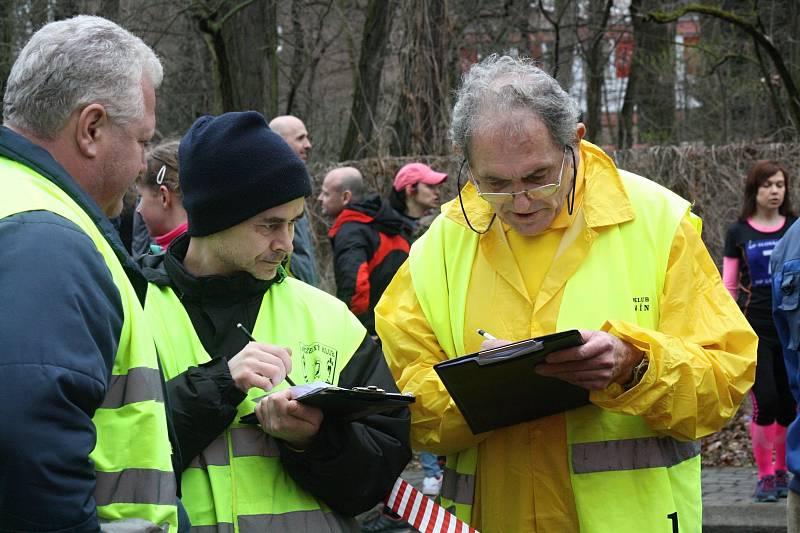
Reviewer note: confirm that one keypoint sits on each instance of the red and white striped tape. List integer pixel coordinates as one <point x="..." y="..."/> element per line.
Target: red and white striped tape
<point x="422" y="512"/>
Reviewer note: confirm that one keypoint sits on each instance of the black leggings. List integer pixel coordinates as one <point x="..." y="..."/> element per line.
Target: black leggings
<point x="772" y="399"/>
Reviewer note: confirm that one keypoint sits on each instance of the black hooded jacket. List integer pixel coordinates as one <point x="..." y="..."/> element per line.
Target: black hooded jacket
<point x="349" y="466"/>
<point x="370" y="241"/>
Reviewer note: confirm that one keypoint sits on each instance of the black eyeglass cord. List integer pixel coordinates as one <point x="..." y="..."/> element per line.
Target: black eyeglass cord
<point x="461" y="202"/>
<point x="571" y="197"/>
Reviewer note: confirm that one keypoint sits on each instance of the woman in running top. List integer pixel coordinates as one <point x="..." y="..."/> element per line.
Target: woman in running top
<point x="766" y="215"/>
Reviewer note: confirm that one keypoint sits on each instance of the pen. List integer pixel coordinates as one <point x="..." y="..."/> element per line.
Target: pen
<point x="250" y="336"/>
<point x="486" y="335"/>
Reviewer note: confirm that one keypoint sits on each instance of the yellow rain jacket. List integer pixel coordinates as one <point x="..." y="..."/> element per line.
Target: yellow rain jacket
<point x="700" y="348"/>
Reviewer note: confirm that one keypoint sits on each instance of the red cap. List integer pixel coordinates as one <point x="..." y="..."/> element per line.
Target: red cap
<point x="414" y="173"/>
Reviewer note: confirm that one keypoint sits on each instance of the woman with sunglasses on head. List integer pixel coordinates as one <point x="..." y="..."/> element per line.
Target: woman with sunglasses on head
<point x="766" y="215"/>
<point x="160" y="198"/>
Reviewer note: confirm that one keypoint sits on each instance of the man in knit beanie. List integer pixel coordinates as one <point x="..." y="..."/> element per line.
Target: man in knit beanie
<point x="300" y="470"/>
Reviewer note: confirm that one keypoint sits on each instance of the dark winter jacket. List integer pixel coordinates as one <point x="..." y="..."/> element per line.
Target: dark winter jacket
<point x="785" y="268"/>
<point x="370" y="241"/>
<point x="60" y="326"/>
<point x="349" y="466"/>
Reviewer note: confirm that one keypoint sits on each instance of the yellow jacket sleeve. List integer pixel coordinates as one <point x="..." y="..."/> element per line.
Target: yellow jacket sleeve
<point x="702" y="359"/>
<point x="411" y="349"/>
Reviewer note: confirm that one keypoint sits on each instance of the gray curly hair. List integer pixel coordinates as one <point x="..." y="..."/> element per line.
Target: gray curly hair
<point x="504" y="85"/>
<point x="72" y="63"/>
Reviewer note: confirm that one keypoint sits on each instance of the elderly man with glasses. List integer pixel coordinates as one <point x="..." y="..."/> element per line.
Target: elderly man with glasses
<point x="548" y="235"/>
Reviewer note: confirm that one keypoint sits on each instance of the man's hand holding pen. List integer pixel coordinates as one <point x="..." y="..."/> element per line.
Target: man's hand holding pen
<point x="260" y="365"/>
<point x="280" y="415"/>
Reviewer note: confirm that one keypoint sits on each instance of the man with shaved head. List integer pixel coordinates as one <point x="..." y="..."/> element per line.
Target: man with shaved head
<point x="370" y="241"/>
<point x="303" y="262"/>
<point x="294" y="133"/>
<point x="340" y="187"/>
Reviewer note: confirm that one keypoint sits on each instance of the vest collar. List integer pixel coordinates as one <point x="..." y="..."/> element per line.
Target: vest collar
<point x="17" y="148"/>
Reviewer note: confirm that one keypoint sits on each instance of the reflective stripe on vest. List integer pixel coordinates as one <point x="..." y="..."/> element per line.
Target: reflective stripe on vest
<point x="460" y="488"/>
<point x="138" y="385"/>
<point x="222" y="527"/>
<point x="631" y="454"/>
<point x="297" y="521"/>
<point x="135" y="483"/>
<point x="238" y="483"/>
<point x="444" y="258"/>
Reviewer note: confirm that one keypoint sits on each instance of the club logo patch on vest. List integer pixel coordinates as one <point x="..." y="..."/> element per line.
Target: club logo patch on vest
<point x="319" y="362"/>
<point x="641" y="304"/>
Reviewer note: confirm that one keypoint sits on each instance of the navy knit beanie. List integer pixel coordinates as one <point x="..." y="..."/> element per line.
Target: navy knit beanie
<point x="234" y="167"/>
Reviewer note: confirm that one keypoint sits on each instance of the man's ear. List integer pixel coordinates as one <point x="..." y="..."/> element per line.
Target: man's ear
<point x="91" y="126"/>
<point x="410" y="190"/>
<point x="346" y="197"/>
<point x="580" y="131"/>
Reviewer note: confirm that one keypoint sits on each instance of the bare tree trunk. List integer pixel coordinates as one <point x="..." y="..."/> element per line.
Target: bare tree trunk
<point x="424" y="105"/>
<point x="211" y="22"/>
<point x="251" y="41"/>
<point x="39" y="13"/>
<point x="625" y="132"/>
<point x="754" y="31"/>
<point x="595" y="68"/>
<point x="563" y="21"/>
<point x="655" y="90"/>
<point x="7" y="27"/>
<point x="64" y="9"/>
<point x="299" y="59"/>
<point x="368" y="79"/>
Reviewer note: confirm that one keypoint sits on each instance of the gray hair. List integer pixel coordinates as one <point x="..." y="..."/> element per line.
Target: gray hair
<point x="504" y="85"/>
<point x="72" y="63"/>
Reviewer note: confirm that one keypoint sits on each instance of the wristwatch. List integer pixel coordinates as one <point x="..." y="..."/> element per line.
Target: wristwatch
<point x="638" y="372"/>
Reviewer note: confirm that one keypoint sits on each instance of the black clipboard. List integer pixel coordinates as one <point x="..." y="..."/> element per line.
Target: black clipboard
<point x="498" y="387"/>
<point x="348" y="404"/>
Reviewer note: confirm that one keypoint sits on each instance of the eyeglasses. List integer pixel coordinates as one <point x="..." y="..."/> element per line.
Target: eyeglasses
<point x="534" y="193"/>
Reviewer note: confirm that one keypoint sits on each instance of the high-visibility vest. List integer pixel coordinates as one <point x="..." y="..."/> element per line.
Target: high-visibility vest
<point x="237" y="483"/>
<point x="133" y="468"/>
<point x="654" y="479"/>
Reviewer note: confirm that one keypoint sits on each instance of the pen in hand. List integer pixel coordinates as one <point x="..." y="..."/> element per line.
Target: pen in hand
<point x="250" y="336"/>
<point x="486" y="335"/>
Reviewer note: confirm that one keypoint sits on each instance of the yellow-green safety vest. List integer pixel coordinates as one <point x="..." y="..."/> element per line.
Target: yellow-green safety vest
<point x="654" y="479"/>
<point x="133" y="468"/>
<point x="237" y="483"/>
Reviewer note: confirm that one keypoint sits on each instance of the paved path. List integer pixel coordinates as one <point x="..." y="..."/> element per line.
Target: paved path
<point x="728" y="505"/>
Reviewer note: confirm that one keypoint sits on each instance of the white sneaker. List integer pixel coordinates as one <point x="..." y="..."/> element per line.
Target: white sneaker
<point x="432" y="486"/>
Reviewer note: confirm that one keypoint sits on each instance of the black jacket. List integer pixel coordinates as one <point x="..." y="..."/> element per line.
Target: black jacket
<point x="370" y="241"/>
<point x="349" y="466"/>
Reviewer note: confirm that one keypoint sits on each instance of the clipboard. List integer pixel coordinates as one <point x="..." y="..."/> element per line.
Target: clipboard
<point x="346" y="404"/>
<point x="498" y="387"/>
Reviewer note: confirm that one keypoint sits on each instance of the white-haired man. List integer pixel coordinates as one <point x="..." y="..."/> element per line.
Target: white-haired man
<point x="85" y="444"/>
<point x="548" y="235"/>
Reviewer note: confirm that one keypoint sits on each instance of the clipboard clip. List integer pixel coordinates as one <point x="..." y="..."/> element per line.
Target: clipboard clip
<point x="370" y="388"/>
<point x="505" y="355"/>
